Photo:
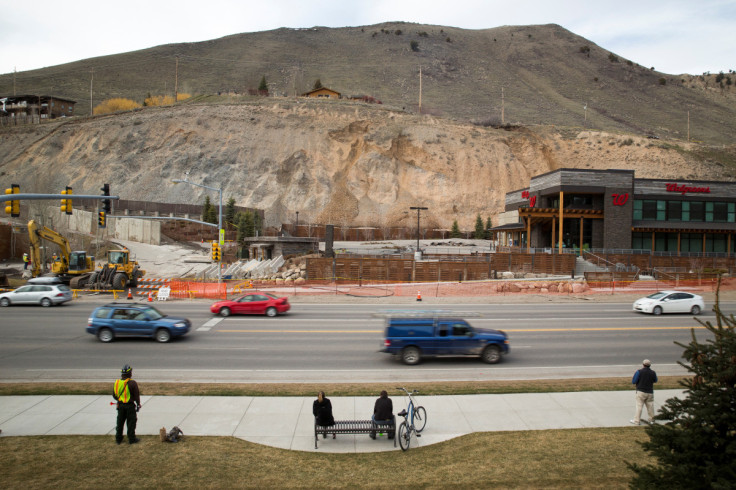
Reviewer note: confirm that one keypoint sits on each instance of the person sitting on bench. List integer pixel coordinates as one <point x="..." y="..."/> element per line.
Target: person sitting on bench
<point x="322" y="410"/>
<point x="383" y="411"/>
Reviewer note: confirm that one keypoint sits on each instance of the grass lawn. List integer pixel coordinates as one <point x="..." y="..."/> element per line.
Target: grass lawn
<point x="578" y="458"/>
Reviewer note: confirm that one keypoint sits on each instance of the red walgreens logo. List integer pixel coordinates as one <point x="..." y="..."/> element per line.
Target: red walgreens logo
<point x="532" y="201"/>
<point x="620" y="199"/>
<point x="684" y="189"/>
<point x="525" y="194"/>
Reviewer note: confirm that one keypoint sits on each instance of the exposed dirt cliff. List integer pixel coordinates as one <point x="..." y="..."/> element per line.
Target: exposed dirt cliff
<point x="334" y="162"/>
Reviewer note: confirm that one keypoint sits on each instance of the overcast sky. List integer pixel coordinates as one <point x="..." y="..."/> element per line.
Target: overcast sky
<point x="674" y="36"/>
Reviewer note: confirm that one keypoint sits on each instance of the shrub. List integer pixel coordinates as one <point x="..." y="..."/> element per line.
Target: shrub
<point x="662" y="81"/>
<point x="448" y="40"/>
<point x="114" y="105"/>
<point x="585" y="50"/>
<point x="612" y="58"/>
<point x="414" y="46"/>
<point x="398" y="32"/>
<point x="423" y="34"/>
<point x="183" y="97"/>
<point x="156" y="100"/>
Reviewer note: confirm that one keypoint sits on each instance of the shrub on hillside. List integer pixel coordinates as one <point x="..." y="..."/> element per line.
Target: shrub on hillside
<point x="414" y="46"/>
<point x="612" y="58"/>
<point x="115" y="105"/>
<point x="183" y="97"/>
<point x="156" y="100"/>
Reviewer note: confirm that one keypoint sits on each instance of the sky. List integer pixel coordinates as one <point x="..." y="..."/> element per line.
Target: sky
<point x="673" y="36"/>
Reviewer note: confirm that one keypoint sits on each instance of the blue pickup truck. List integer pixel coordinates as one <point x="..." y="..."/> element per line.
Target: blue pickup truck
<point x="413" y="336"/>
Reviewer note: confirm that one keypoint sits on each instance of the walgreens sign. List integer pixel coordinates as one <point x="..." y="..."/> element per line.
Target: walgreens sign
<point x="684" y="189"/>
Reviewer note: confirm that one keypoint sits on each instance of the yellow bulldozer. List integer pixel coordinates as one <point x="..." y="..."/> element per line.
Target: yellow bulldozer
<point x="77" y="269"/>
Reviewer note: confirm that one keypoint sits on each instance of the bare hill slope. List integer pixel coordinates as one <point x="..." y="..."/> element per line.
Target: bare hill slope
<point x="334" y="162"/>
<point x="548" y="76"/>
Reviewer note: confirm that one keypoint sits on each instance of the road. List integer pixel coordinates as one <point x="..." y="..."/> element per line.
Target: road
<point x="339" y="343"/>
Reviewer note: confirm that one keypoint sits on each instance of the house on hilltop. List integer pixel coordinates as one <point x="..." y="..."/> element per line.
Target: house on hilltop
<point x="23" y="109"/>
<point x="323" y="92"/>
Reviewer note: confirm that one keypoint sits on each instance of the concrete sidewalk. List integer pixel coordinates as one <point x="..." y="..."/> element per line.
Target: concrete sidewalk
<point x="287" y="422"/>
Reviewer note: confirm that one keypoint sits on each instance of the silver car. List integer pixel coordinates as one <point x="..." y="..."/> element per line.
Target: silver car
<point x="37" y="294"/>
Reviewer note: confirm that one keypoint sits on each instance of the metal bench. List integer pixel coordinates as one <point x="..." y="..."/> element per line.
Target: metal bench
<point x="354" y="427"/>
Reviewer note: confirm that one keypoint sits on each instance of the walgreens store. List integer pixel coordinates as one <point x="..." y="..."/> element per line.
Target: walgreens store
<point x="613" y="210"/>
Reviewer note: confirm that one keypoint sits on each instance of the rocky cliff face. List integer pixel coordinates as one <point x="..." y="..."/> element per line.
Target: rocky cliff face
<point x="334" y="162"/>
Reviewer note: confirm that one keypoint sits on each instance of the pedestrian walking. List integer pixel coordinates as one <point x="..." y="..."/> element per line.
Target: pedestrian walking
<point x="644" y="380"/>
<point x="128" y="397"/>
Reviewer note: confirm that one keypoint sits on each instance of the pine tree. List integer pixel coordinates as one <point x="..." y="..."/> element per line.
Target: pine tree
<point x="455" y="232"/>
<point x="206" y="209"/>
<point x="263" y="86"/>
<point x="479" y="230"/>
<point x="487" y="234"/>
<point x="230" y="211"/>
<point x="695" y="445"/>
<point x="317" y="84"/>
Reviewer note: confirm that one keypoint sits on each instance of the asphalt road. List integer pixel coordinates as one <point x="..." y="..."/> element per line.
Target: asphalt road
<point x="340" y="343"/>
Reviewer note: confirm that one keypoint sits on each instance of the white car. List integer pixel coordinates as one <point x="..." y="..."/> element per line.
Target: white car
<point x="670" y="302"/>
<point x="37" y="294"/>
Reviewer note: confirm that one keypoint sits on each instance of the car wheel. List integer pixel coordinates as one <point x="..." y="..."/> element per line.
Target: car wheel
<point x="695" y="310"/>
<point x="491" y="354"/>
<point x="657" y="310"/>
<point x="272" y="312"/>
<point x="411" y="356"/>
<point x="163" y="335"/>
<point x="225" y="311"/>
<point x="105" y="335"/>
<point x="46" y="302"/>
<point x="4" y="302"/>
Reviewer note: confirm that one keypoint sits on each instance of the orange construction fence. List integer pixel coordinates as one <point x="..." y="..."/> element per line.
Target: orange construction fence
<point x="192" y="289"/>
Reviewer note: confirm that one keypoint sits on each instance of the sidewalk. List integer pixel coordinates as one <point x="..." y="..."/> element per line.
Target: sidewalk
<point x="287" y="422"/>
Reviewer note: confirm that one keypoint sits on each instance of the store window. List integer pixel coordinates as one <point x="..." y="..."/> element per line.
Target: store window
<point x="674" y="210"/>
<point x="697" y="211"/>
<point x="641" y="241"/>
<point x="715" y="242"/>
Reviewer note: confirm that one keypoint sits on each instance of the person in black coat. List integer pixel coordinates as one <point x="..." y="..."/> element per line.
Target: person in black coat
<point x="322" y="410"/>
<point x="383" y="412"/>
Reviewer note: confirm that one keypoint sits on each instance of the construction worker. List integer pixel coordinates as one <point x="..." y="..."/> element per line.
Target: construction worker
<point x="26" y="260"/>
<point x="128" y="397"/>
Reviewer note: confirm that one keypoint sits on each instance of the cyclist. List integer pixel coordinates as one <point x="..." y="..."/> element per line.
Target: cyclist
<point x="128" y="397"/>
<point x="383" y="412"/>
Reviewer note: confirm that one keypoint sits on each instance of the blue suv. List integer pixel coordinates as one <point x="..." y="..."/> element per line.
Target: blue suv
<point x="134" y="320"/>
<point x="413" y="335"/>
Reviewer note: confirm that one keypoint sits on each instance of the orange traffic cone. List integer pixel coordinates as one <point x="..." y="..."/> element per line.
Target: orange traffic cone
<point x="150" y="299"/>
<point x="130" y="294"/>
<point x="419" y="295"/>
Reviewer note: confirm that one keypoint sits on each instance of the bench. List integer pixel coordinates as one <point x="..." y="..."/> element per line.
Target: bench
<point x="354" y="427"/>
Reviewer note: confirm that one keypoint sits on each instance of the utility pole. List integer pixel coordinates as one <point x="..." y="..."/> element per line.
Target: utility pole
<point x="176" y="80"/>
<point x="14" y="72"/>
<point x="91" y="77"/>
<point x="502" y="108"/>
<point x="419" y="210"/>
<point x="420" y="89"/>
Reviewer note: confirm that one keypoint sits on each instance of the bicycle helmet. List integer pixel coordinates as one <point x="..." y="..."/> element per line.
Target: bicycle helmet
<point x="126" y="371"/>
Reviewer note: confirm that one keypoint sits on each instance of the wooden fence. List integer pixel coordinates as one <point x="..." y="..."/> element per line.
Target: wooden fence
<point x="356" y="269"/>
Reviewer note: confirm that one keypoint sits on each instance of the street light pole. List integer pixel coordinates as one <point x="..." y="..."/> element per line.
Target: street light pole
<point x="296" y="228"/>
<point x="419" y="210"/>
<point x="220" y="234"/>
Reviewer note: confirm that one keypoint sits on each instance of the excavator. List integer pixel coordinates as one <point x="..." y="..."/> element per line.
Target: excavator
<point x="72" y="268"/>
<point x="77" y="269"/>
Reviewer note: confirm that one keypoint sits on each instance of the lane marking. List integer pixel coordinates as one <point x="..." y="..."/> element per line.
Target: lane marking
<point x="210" y="323"/>
<point x="592" y="329"/>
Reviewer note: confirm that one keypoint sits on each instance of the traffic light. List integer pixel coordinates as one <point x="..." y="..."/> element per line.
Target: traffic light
<point x="106" y="202"/>
<point x="101" y="219"/>
<point x="13" y="207"/>
<point x="66" y="204"/>
<point x="215" y="251"/>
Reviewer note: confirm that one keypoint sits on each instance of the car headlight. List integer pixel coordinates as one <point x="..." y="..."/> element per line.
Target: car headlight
<point x="180" y="325"/>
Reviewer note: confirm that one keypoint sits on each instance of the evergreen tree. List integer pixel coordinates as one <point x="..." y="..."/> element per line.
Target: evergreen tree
<point x="695" y="441"/>
<point x="230" y="211"/>
<point x="487" y="234"/>
<point x="257" y="224"/>
<point x="317" y="84"/>
<point x="206" y="209"/>
<point x="479" y="230"/>
<point x="455" y="232"/>
<point x="263" y="86"/>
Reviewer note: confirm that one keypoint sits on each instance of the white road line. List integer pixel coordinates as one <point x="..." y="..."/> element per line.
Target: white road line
<point x="210" y="323"/>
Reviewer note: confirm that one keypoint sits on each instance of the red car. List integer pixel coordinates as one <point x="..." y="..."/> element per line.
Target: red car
<point x="255" y="303"/>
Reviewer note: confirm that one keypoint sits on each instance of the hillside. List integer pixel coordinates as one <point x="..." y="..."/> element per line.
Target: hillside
<point x="336" y="162"/>
<point x="547" y="76"/>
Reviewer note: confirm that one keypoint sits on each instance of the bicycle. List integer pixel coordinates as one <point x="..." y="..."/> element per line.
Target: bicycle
<point x="415" y="420"/>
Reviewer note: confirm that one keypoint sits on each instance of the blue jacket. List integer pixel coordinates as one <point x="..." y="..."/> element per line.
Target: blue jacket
<point x="644" y="380"/>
